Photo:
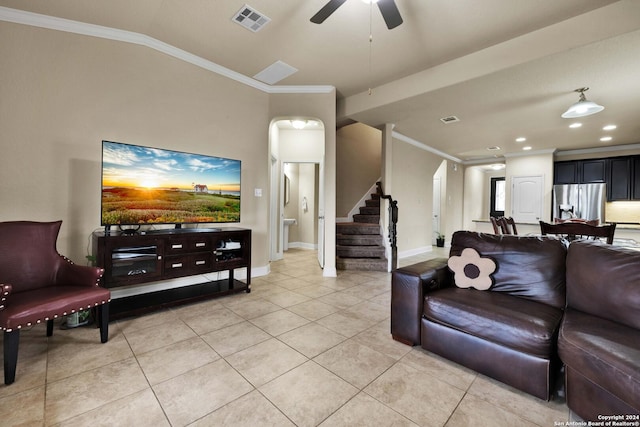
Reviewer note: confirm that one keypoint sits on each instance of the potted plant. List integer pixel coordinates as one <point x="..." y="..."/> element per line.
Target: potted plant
<point x="439" y="239"/>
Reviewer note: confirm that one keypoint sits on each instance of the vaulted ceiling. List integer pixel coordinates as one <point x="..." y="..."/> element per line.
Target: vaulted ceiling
<point x="504" y="68"/>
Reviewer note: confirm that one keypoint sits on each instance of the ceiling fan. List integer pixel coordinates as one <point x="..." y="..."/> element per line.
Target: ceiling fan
<point x="388" y="8"/>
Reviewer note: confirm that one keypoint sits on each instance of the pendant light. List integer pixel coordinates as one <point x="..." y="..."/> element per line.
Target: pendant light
<point x="582" y="107"/>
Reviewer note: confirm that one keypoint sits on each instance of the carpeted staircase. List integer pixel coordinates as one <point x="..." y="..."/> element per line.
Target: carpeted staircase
<point x="359" y="244"/>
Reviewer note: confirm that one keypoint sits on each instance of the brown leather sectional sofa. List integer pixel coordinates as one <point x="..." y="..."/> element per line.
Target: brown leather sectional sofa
<point x="512" y="330"/>
<point x="599" y="339"/>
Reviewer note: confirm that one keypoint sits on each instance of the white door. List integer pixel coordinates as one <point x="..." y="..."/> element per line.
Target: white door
<point x="321" y="214"/>
<point x="527" y="198"/>
<point x="435" y="221"/>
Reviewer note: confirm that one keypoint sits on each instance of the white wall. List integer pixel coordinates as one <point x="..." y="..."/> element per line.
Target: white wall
<point x="304" y="187"/>
<point x="475" y="193"/>
<point x="301" y="145"/>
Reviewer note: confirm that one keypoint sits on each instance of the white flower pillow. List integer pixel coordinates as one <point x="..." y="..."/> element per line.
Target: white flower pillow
<point x="471" y="270"/>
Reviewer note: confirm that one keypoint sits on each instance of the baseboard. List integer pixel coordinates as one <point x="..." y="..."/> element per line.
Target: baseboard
<point x="329" y="272"/>
<point x="303" y="245"/>
<point x="414" y="252"/>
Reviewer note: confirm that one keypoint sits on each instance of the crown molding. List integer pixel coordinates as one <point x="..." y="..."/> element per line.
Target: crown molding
<point x="484" y="161"/>
<point x="598" y="150"/>
<point x="76" y="27"/>
<point x="423" y="146"/>
<point x="530" y="153"/>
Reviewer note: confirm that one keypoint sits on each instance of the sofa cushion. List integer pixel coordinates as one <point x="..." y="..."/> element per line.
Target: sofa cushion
<point x="604" y="280"/>
<point x="528" y="267"/>
<point x="605" y="352"/>
<point x="517" y="323"/>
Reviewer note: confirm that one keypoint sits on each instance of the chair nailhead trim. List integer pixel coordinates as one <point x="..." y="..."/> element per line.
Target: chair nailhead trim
<point x="55" y="316"/>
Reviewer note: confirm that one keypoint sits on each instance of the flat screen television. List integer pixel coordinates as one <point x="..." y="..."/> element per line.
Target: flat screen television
<point x="144" y="185"/>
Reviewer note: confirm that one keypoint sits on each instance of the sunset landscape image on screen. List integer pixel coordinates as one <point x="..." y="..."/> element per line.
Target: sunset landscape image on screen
<point x="143" y="185"/>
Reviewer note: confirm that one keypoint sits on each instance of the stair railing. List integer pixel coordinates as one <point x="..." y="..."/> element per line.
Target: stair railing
<point x="393" y="221"/>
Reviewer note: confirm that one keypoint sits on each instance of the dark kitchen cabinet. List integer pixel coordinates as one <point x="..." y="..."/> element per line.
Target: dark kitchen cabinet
<point x="566" y="172"/>
<point x="621" y="174"/>
<point x="580" y="171"/>
<point x="636" y="178"/>
<point x="593" y="171"/>
<point x="619" y="179"/>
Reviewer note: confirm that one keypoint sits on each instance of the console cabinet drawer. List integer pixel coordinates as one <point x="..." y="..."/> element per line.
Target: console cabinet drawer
<point x="175" y="266"/>
<point x="188" y="245"/>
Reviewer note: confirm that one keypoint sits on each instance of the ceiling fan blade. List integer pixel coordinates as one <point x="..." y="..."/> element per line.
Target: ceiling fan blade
<point x="390" y="13"/>
<point x="326" y="11"/>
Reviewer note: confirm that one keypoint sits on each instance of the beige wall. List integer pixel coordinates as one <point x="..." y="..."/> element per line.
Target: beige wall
<point x="64" y="93"/>
<point x="358" y="164"/>
<point x="454" y="200"/>
<point x="412" y="171"/>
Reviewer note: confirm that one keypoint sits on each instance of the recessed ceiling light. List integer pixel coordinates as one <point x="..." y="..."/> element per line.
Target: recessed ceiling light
<point x="606" y="138"/>
<point x="299" y="124"/>
<point x="526" y="148"/>
<point x="575" y="125"/>
<point x="609" y="127"/>
<point x="498" y="166"/>
<point x="521" y="139"/>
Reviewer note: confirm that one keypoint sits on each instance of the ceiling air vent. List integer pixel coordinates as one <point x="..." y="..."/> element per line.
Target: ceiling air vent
<point x="450" y="119"/>
<point x="250" y="18"/>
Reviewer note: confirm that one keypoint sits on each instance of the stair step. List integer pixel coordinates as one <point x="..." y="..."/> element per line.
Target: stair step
<point x="362" y="264"/>
<point x="357" y="228"/>
<point x="372" y="203"/>
<point x="360" y="251"/>
<point x="359" y="239"/>
<point x="370" y="210"/>
<point x="370" y="219"/>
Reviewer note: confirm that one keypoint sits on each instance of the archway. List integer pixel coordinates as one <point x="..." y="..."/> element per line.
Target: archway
<point x="296" y="142"/>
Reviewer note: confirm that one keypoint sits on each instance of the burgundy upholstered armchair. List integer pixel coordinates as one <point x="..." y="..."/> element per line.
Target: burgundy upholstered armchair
<point x="37" y="285"/>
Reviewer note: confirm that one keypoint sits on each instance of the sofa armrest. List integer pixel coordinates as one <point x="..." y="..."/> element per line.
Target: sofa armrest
<point x="408" y="288"/>
<point x="72" y="274"/>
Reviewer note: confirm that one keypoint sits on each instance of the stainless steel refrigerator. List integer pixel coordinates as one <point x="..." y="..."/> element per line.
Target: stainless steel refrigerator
<point x="586" y="201"/>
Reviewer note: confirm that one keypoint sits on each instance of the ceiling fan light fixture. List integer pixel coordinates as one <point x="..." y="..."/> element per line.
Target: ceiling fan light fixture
<point x="583" y="107"/>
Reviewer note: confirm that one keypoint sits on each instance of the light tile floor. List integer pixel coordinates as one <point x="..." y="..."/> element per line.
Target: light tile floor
<point x="300" y="349"/>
